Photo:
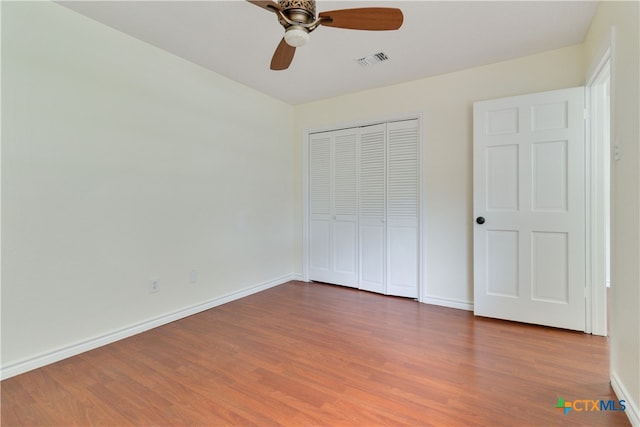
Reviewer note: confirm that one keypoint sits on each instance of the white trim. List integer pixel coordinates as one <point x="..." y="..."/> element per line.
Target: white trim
<point x="590" y="228"/>
<point x="448" y="302"/>
<point x="596" y="279"/>
<point x="298" y="277"/>
<point x="53" y="356"/>
<point x="604" y="60"/>
<point x="604" y="49"/>
<point x="422" y="210"/>
<point x="360" y="123"/>
<point x="305" y="205"/>
<point x="623" y="394"/>
<point x="596" y="297"/>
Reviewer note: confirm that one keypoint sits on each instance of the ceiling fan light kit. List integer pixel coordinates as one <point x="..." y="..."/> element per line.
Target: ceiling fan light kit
<point x="296" y="36"/>
<point x="298" y="18"/>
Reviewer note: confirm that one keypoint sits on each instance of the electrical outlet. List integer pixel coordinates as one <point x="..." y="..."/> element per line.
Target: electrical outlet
<point x="154" y="286"/>
<point x="193" y="277"/>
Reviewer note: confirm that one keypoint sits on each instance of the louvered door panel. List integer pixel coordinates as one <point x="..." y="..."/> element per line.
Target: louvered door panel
<point x="403" y="171"/>
<point x="345" y="176"/>
<point x="402" y="208"/>
<point x="320" y="206"/>
<point x="345" y="210"/>
<point x="372" y="143"/>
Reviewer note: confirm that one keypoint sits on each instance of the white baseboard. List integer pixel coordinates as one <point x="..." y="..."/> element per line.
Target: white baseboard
<point x="298" y="277"/>
<point x="99" y="341"/>
<point x="445" y="302"/>
<point x="623" y="394"/>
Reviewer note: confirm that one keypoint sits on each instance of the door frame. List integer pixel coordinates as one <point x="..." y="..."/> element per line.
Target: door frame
<point x="305" y="188"/>
<point x="596" y="302"/>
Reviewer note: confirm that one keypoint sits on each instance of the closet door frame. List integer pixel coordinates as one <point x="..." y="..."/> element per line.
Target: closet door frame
<point x="421" y="291"/>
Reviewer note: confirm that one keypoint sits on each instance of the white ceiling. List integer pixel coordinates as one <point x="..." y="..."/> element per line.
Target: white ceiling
<point x="236" y="39"/>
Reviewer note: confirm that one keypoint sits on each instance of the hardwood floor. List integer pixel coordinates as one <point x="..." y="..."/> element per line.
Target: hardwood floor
<point x="312" y="354"/>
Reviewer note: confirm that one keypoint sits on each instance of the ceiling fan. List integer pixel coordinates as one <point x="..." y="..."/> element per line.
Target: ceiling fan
<point x="298" y="17"/>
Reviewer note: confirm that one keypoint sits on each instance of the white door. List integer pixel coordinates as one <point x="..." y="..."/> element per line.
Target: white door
<point x="345" y="208"/>
<point x="372" y="207"/>
<point x="529" y="207"/>
<point x="333" y="207"/>
<point x="402" y="208"/>
<point x="320" y="206"/>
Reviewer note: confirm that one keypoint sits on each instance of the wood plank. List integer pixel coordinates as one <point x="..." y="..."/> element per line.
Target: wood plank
<point x="315" y="354"/>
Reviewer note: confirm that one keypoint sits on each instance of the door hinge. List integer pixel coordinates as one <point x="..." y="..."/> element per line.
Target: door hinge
<point x="586" y="114"/>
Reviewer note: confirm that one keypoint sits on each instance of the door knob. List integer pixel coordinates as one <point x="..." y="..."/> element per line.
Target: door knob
<point x="480" y="220"/>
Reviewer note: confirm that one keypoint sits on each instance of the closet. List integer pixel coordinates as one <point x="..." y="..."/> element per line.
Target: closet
<point x="364" y="207"/>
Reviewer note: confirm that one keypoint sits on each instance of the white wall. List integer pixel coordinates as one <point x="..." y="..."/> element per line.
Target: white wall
<point x="121" y="162"/>
<point x="624" y="314"/>
<point x="446" y="105"/>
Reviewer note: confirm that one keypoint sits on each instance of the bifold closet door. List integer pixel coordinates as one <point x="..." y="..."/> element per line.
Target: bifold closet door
<point x="364" y="207"/>
<point x="333" y="207"/>
<point x="402" y="221"/>
<point x="372" y="247"/>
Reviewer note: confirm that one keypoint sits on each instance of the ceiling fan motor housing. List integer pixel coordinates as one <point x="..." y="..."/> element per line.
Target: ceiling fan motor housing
<point x="299" y="10"/>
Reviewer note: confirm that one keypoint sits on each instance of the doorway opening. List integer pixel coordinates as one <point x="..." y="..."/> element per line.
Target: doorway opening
<point x="599" y="100"/>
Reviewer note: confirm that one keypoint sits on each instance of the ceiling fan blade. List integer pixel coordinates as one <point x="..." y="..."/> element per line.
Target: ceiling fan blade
<point x="283" y="56"/>
<point x="365" y="18"/>
<point x="269" y="5"/>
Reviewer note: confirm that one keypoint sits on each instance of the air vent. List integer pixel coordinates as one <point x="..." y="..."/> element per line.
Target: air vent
<point x="372" y="59"/>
